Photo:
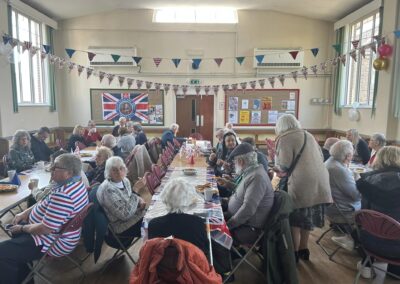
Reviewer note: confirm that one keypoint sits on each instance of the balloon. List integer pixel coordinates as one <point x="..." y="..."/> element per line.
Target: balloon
<point x="385" y="50"/>
<point x="381" y="63"/>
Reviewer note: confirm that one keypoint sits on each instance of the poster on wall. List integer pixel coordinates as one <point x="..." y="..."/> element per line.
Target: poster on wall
<point x="245" y="104"/>
<point x="256" y="104"/>
<point x="244" y="116"/>
<point x="233" y="117"/>
<point x="267" y="103"/>
<point x="233" y="103"/>
<point x="156" y="114"/>
<point x="133" y="106"/>
<point x="256" y="117"/>
<point x="272" y="116"/>
<point x="291" y="105"/>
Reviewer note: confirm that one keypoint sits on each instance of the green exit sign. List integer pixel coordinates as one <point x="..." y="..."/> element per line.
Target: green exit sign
<point x="194" y="82"/>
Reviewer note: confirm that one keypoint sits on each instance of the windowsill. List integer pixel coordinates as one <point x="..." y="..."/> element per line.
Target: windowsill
<point x="33" y="105"/>
<point x="359" y="107"/>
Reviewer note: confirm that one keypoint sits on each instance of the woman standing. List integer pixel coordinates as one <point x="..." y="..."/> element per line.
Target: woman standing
<point x="308" y="183"/>
<point x="20" y="156"/>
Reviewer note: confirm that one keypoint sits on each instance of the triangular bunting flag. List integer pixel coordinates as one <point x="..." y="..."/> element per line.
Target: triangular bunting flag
<point x="243" y="85"/>
<point x="225" y="87"/>
<point x="197" y="89"/>
<point x="166" y="87"/>
<point x="378" y="38"/>
<point x="215" y="89"/>
<point x="262" y="83"/>
<point x="136" y="59"/>
<point x="294" y="75"/>
<point x="148" y="85"/>
<point x="33" y="50"/>
<point x="139" y="84"/>
<point x="157" y="61"/>
<point x="260" y="58"/>
<point x="337" y="47"/>
<point x="70" y="52"/>
<point x="335" y="60"/>
<point x="234" y="86"/>
<point x="323" y="66"/>
<point x="91" y="55"/>
<point x="121" y="80"/>
<point x="6" y="39"/>
<point x="110" y="78"/>
<point x="175" y="88"/>
<point x="314" y="69"/>
<point x="353" y="55"/>
<point x="53" y="59"/>
<point x="314" y="51"/>
<point x="253" y="84"/>
<point x="80" y="69"/>
<point x="272" y="81"/>
<point x="46" y="48"/>
<point x="61" y="63"/>
<point x="43" y="55"/>
<point x="184" y="89"/>
<point x="218" y="61"/>
<point x="129" y="82"/>
<point x="372" y="45"/>
<point x="115" y="57"/>
<point x="157" y="86"/>
<point x="281" y="79"/>
<point x="196" y="63"/>
<point x="362" y="51"/>
<point x="397" y="33"/>
<point x="343" y="59"/>
<point x="176" y="61"/>
<point x="293" y="54"/>
<point x="13" y="42"/>
<point x="240" y="59"/>
<point x="355" y="43"/>
<point x="101" y="75"/>
<point x="207" y="90"/>
<point x="26" y="46"/>
<point x="89" y="72"/>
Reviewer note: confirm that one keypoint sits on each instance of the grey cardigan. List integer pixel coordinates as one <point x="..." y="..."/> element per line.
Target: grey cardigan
<point x="252" y="200"/>
<point x="120" y="205"/>
<point x="343" y="186"/>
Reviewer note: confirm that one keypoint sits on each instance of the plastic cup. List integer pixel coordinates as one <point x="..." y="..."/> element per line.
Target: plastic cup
<point x="34" y="182"/>
<point x="11" y="174"/>
<point x="208" y="194"/>
<point x="40" y="165"/>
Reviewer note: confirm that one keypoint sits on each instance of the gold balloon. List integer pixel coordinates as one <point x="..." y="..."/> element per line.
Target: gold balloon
<point x="381" y="64"/>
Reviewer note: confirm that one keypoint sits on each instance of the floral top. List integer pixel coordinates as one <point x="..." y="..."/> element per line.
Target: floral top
<point x="21" y="159"/>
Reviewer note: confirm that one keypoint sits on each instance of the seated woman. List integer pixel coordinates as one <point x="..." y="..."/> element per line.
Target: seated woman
<point x="76" y="139"/>
<point x="361" y="151"/>
<point x="126" y="142"/>
<point x="178" y="196"/>
<point x="123" y="207"/>
<point x="36" y="228"/>
<point x="377" y="142"/>
<point x="20" y="156"/>
<point x="110" y="142"/>
<point x="91" y="134"/>
<point x="219" y="160"/>
<point x="327" y="147"/>
<point x="380" y="191"/>
<point x="96" y="175"/>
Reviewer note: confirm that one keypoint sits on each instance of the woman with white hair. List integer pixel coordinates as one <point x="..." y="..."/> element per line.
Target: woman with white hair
<point x="110" y="142"/>
<point x="308" y="179"/>
<point x="126" y="143"/>
<point x="376" y="142"/>
<point x="361" y="151"/>
<point x="121" y="123"/>
<point x="123" y="207"/>
<point x="169" y="135"/>
<point x="178" y="196"/>
<point x="20" y="157"/>
<point x="96" y="175"/>
<point x="327" y="147"/>
<point x="76" y="139"/>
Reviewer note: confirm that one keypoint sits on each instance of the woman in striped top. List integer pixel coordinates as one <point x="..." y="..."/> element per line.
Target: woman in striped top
<point x="35" y="229"/>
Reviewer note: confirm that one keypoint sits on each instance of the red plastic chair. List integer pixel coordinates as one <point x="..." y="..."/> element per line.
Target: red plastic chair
<point x="177" y="144"/>
<point x="381" y="226"/>
<point x="72" y="225"/>
<point x="158" y="171"/>
<point x="151" y="181"/>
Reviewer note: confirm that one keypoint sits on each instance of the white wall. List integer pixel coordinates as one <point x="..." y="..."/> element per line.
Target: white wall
<point x="29" y="118"/>
<point x="135" y="28"/>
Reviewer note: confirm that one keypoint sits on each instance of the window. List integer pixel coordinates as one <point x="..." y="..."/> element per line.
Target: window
<point x="360" y="75"/>
<point x="30" y="71"/>
<point x="196" y="15"/>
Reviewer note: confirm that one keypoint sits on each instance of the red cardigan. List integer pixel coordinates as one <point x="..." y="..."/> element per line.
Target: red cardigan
<point x="183" y="263"/>
<point x="89" y="139"/>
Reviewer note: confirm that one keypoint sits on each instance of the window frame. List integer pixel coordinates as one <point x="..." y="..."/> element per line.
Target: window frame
<point x="346" y="75"/>
<point x="44" y="63"/>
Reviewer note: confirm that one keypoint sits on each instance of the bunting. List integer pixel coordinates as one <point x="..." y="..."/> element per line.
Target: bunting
<point x="362" y="51"/>
<point x="26" y="46"/>
<point x="101" y="75"/>
<point x="314" y="69"/>
<point x="294" y="54"/>
<point x="294" y="75"/>
<point x="6" y="39"/>
<point x="91" y="55"/>
<point x="139" y="84"/>
<point x="148" y="85"/>
<point x="372" y="45"/>
<point x="207" y="90"/>
<point x="197" y="89"/>
<point x="176" y="61"/>
<point x="215" y="89"/>
<point x="157" y="61"/>
<point x="353" y="55"/>
<point x="355" y="43"/>
<point x="337" y="47"/>
<point x="218" y="61"/>
<point x="43" y="55"/>
<point x="259" y="58"/>
<point x="184" y="89"/>
<point x="225" y="88"/>
<point x="136" y="59"/>
<point x="46" y="48"/>
<point x="80" y="69"/>
<point x="243" y="85"/>
<point x="61" y="63"/>
<point x="115" y="57"/>
<point x="166" y="88"/>
<point x="110" y="78"/>
<point x="71" y="66"/>
<point x="253" y="85"/>
<point x="234" y="86"/>
<point x="240" y="59"/>
<point x="89" y="72"/>
<point x="121" y="80"/>
<point x="281" y="79"/>
<point x="157" y="86"/>
<point x="314" y="51"/>
<point x="261" y="82"/>
<point x="323" y="66"/>
<point x="129" y="82"/>
<point x="196" y="63"/>
<point x="272" y="81"/>
<point x="70" y="52"/>
<point x="343" y="59"/>
<point x="175" y="88"/>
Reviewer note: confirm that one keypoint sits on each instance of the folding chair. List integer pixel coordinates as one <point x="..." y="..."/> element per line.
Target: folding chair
<point x="338" y="226"/>
<point x="122" y="248"/>
<point x="381" y="226"/>
<point x="177" y="145"/>
<point x="151" y="181"/>
<point x="72" y="225"/>
<point x="158" y="171"/>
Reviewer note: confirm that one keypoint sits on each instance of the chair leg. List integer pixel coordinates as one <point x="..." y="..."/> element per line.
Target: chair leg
<point x="78" y="265"/>
<point x="123" y="247"/>
<point x="361" y="268"/>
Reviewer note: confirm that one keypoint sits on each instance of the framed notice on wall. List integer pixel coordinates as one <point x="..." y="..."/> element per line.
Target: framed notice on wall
<point x="260" y="107"/>
<point x="146" y="107"/>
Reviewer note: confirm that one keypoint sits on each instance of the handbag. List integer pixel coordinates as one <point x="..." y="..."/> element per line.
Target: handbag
<point x="283" y="182"/>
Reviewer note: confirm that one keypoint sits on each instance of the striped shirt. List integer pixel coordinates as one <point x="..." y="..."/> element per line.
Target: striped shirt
<point x="56" y="209"/>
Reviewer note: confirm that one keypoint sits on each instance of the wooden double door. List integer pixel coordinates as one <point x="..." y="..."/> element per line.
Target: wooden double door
<point x="195" y="114"/>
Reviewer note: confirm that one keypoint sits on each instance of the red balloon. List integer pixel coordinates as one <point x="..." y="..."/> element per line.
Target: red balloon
<point x="385" y="50"/>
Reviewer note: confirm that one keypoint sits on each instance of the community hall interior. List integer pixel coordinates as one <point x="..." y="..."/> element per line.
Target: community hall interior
<point x="199" y="70"/>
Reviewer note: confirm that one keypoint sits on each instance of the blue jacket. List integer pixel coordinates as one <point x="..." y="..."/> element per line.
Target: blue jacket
<point x="167" y="135"/>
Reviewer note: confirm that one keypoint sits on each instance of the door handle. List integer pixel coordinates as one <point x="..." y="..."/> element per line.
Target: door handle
<point x="197" y="120"/>
<point x="202" y="120"/>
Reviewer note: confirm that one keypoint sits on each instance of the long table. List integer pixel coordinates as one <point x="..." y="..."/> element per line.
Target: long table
<point x="212" y="210"/>
<point x="10" y="200"/>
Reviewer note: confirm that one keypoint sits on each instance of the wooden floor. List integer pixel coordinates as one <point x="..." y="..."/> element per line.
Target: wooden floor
<point x="318" y="270"/>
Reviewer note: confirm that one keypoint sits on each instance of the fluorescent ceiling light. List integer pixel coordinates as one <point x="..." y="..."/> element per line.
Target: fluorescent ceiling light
<point x="196" y="15"/>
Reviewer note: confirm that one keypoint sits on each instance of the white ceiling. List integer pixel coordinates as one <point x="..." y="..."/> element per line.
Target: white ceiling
<point x="329" y="10"/>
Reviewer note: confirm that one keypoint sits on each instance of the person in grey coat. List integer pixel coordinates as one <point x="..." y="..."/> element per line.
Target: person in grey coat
<point x="253" y="197"/>
<point x="343" y="185"/>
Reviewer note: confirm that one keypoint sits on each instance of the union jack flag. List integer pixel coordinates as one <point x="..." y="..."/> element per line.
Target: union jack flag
<point x="134" y="106"/>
